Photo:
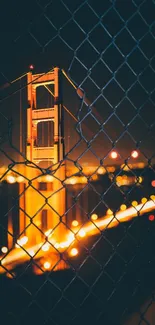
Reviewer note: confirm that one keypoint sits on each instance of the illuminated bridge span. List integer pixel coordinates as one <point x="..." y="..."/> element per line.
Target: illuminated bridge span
<point x="48" y="251"/>
<point x="43" y="229"/>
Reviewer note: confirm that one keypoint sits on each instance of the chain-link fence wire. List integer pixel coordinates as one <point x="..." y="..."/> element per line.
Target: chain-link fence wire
<point x="104" y="272"/>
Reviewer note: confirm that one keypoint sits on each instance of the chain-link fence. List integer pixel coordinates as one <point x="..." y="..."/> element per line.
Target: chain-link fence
<point x="77" y="131"/>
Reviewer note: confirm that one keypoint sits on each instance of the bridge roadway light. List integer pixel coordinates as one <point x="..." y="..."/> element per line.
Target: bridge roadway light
<point x="134" y="203"/>
<point x="82" y="233"/>
<point x="4" y="249"/>
<point x="94" y="216"/>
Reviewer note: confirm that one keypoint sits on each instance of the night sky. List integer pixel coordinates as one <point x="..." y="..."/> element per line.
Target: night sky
<point x="107" y="48"/>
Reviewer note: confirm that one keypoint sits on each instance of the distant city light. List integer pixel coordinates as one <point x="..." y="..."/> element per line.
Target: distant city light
<point x="151" y="217"/>
<point x="152" y="197"/>
<point x="74" y="252"/>
<point x="134" y="154"/>
<point x="153" y="183"/>
<point x="47" y="265"/>
<point x="4" y="249"/>
<point x="75" y="223"/>
<point x="114" y="155"/>
<point x="94" y="216"/>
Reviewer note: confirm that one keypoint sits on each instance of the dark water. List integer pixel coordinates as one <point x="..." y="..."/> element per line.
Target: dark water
<point x="110" y="278"/>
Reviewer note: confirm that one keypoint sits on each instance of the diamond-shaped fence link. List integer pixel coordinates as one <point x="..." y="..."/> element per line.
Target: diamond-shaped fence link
<point x="77" y="162"/>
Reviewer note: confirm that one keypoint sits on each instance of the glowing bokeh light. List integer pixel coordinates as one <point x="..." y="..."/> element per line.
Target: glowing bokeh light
<point x="45" y="247"/>
<point x="134" y="203"/>
<point x="151" y="217"/>
<point x="134" y="154"/>
<point x="82" y="233"/>
<point x="74" y="252"/>
<point x="47" y="265"/>
<point x="114" y="154"/>
<point x="94" y="216"/>
<point x="144" y="200"/>
<point x="31" y="252"/>
<point x="109" y="212"/>
<point x="153" y="183"/>
<point x="49" y="178"/>
<point x="101" y="171"/>
<point x="4" y="249"/>
<point x="123" y="207"/>
<point x="75" y="223"/>
<point x="11" y="179"/>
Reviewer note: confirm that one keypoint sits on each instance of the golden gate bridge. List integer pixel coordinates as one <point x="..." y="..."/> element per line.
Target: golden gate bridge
<point x="44" y="234"/>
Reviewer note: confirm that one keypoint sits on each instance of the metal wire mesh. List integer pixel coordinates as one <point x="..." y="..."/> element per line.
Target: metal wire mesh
<point x="81" y="252"/>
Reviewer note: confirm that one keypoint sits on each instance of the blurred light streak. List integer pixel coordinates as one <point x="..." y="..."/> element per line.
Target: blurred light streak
<point x="17" y="256"/>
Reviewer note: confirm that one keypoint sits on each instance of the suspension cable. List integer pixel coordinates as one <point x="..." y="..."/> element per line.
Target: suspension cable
<point x="18" y="78"/>
<point x="67" y="110"/>
<point x="71" y="82"/>
<point x="81" y="94"/>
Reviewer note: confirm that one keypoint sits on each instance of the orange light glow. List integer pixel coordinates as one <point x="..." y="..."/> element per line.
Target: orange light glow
<point x="74" y="252"/>
<point x="134" y="154"/>
<point x="114" y="154"/>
